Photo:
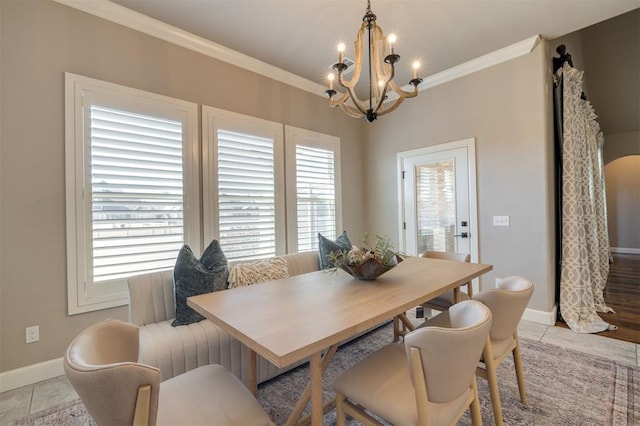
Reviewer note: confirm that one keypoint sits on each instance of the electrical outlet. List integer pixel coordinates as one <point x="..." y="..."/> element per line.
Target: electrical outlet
<point x="32" y="334"/>
<point x="501" y="221"/>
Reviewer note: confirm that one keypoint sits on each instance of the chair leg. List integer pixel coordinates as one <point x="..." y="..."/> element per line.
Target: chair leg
<point x="341" y="417"/>
<point x="517" y="362"/>
<point x="492" y="379"/>
<point x="476" y="416"/>
<point x="143" y="401"/>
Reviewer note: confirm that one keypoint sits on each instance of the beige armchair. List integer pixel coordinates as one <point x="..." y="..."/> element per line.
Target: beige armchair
<point x="507" y="303"/>
<point x="442" y="302"/>
<point x="411" y="383"/>
<point x="101" y="364"/>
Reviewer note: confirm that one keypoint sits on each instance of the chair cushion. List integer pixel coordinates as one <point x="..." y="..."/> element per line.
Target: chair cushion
<point x="193" y="276"/>
<point x="208" y="395"/>
<point x="326" y="247"/>
<point x="444" y="301"/>
<point x="382" y="382"/>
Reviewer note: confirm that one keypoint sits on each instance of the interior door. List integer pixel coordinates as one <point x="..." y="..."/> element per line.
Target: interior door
<point x="438" y="199"/>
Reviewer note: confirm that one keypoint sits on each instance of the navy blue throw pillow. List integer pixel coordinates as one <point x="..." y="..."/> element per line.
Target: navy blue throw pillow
<point x="193" y="276"/>
<point x="326" y="247"/>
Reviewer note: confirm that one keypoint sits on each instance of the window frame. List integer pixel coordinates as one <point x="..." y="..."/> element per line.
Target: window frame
<point x="214" y="119"/>
<point x="295" y="136"/>
<point x="83" y="295"/>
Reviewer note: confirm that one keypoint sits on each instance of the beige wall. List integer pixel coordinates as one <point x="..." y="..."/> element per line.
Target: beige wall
<point x="507" y="109"/>
<point x="622" y="177"/>
<point x="40" y="40"/>
<point x="623" y="202"/>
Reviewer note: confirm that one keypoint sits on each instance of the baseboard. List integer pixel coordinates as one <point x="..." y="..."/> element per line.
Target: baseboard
<point x="623" y="250"/>
<point x="542" y="317"/>
<point x="31" y="374"/>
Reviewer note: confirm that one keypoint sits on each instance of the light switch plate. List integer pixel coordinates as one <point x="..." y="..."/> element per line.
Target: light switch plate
<point x="501" y="221"/>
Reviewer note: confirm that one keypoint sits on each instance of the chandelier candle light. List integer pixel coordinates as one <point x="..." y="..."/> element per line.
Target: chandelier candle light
<point x="381" y="73"/>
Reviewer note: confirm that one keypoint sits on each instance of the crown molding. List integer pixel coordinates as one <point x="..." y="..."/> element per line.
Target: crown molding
<point x="496" y="57"/>
<point x="113" y="12"/>
<point x="121" y="15"/>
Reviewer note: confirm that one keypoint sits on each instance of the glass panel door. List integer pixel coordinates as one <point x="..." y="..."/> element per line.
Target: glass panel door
<point x="436" y="206"/>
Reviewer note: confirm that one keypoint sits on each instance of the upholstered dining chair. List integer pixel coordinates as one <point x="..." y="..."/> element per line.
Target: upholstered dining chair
<point x="507" y="303"/>
<point x="445" y="300"/>
<point x="411" y="383"/>
<point x="101" y="364"/>
<point x="439" y="303"/>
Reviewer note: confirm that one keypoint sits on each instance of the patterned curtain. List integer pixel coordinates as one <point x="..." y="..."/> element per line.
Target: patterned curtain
<point x="585" y="239"/>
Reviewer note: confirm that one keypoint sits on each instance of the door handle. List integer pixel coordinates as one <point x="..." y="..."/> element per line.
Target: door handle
<point x="462" y="235"/>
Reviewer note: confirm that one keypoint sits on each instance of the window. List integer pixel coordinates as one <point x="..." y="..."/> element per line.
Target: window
<point x="313" y="161"/>
<point x="131" y="204"/>
<point x="244" y="185"/>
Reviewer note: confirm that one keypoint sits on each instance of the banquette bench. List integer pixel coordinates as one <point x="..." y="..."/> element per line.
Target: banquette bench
<point x="176" y="350"/>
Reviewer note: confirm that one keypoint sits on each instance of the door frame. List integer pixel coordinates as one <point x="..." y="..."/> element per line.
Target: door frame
<point x="470" y="145"/>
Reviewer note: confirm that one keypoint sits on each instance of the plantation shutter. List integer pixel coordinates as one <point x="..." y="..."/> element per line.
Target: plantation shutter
<point x="136" y="193"/>
<point x="315" y="195"/>
<point x="246" y="195"/>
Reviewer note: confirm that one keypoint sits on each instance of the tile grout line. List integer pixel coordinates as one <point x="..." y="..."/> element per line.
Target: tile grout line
<point x="33" y="391"/>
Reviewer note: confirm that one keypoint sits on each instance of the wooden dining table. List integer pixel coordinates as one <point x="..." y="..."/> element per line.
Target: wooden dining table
<point x="309" y="315"/>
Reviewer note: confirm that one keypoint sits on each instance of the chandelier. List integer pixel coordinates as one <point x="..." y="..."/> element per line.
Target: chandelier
<point x="381" y="73"/>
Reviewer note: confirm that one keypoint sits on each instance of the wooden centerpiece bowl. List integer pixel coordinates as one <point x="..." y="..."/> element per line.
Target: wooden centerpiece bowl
<point x="370" y="269"/>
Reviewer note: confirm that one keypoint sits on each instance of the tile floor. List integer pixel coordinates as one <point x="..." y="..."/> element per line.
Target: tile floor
<point x="39" y="396"/>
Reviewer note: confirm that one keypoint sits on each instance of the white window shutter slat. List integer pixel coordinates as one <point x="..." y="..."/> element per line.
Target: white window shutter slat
<point x="136" y="193"/>
<point x="315" y="195"/>
<point x="246" y="195"/>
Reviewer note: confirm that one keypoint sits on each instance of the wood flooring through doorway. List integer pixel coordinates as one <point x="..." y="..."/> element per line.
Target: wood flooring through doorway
<point x="622" y="294"/>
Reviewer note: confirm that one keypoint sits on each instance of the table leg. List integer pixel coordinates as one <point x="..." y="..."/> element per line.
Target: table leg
<point x="304" y="398"/>
<point x="315" y="368"/>
<point x="252" y="371"/>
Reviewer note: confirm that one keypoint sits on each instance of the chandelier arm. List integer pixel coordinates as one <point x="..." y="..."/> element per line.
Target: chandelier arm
<point x="339" y="101"/>
<point x="381" y="73"/>
<point x="355" y="113"/>
<point x="392" y="107"/>
<point x="357" y="45"/>
<point x="404" y="93"/>
<point x="356" y="101"/>
<point x="380" y="100"/>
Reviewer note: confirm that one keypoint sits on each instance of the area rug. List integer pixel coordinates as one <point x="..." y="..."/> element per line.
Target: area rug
<point x="564" y="387"/>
